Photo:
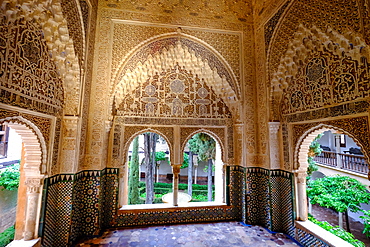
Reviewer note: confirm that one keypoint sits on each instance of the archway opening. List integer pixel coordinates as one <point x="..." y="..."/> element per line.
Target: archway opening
<point x="204" y="169"/>
<point x="332" y="157"/>
<point x="149" y="171"/>
<point x="31" y="177"/>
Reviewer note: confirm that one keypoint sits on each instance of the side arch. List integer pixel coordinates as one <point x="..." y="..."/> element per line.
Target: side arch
<point x="34" y="143"/>
<point x="33" y="171"/>
<point x="303" y="143"/>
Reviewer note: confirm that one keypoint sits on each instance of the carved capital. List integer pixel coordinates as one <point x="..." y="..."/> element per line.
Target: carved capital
<point x="108" y="125"/>
<point x="301" y="176"/>
<point x="274" y="128"/>
<point x="70" y="126"/>
<point x="176" y="169"/>
<point x="33" y="185"/>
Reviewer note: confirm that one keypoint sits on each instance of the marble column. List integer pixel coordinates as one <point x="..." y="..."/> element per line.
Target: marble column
<point x="337" y="149"/>
<point x="33" y="193"/>
<point x="176" y="172"/>
<point x="300" y="177"/>
<point x="219" y="176"/>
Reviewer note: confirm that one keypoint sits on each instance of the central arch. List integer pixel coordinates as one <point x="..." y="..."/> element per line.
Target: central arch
<point x="164" y="52"/>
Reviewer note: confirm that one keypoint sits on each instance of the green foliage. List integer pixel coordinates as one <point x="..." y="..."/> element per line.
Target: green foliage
<point x="337" y="231"/>
<point x="7" y="236"/>
<point x="314" y="150"/>
<point x="203" y="145"/>
<point x="185" y="163"/>
<point x="160" y="156"/>
<point x="9" y="177"/>
<point x="338" y="192"/>
<point x="134" y="174"/>
<point x="366" y="219"/>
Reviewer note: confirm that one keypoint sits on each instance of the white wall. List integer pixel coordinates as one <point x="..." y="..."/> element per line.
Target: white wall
<point x="14" y="147"/>
<point x="328" y="140"/>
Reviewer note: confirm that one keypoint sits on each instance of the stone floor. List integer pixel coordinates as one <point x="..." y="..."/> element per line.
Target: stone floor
<point x="225" y="234"/>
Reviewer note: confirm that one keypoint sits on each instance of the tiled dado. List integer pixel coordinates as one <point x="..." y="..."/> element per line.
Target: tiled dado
<point x="82" y="204"/>
<point x="231" y="211"/>
<point x="269" y="199"/>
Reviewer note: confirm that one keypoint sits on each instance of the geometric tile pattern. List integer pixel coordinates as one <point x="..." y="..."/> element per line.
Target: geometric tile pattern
<point x="83" y="204"/>
<point x="281" y="198"/>
<point x="57" y="217"/>
<point x="257" y="197"/>
<point x="109" y="186"/>
<point x="86" y="203"/>
<point x="237" y="189"/>
<point x="307" y="239"/>
<point x="269" y="199"/>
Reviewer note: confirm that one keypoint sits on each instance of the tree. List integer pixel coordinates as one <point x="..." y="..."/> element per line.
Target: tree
<point x="150" y="142"/>
<point x="133" y="184"/>
<point x="313" y="151"/>
<point x="340" y="193"/>
<point x="205" y="146"/>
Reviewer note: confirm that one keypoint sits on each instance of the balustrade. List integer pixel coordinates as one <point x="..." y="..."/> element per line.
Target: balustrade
<point x="350" y="162"/>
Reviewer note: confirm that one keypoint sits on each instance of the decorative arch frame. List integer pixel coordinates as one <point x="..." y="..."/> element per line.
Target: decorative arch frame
<point x="213" y="135"/>
<point x="25" y="127"/>
<point x="34" y="171"/>
<point x="220" y="66"/>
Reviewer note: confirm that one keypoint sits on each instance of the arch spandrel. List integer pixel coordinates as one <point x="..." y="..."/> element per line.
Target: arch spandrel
<point x="164" y="52"/>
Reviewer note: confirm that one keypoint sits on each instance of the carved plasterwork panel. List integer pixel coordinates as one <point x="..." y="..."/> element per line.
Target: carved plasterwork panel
<point x="249" y="109"/>
<point x="28" y="76"/>
<point x="225" y="10"/>
<point x="90" y="18"/>
<point x="72" y="12"/>
<point x="53" y="30"/>
<point x="326" y="80"/>
<point x="128" y="35"/>
<point x="176" y="49"/>
<point x="173" y="93"/>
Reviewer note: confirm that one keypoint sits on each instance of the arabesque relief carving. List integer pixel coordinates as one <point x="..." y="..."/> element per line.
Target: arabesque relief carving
<point x="173" y="93"/>
<point x="51" y="31"/>
<point x="326" y="80"/>
<point x="340" y="17"/>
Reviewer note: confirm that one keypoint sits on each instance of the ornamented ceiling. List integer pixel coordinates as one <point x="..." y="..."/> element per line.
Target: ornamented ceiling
<point x="227" y="10"/>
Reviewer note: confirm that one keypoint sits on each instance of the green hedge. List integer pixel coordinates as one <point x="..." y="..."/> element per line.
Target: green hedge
<point x="7" y="236"/>
<point x="162" y="190"/>
<point x="337" y="231"/>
